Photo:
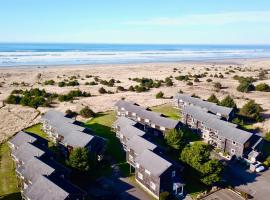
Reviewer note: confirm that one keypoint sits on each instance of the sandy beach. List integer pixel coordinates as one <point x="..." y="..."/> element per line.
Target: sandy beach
<point x="13" y="118"/>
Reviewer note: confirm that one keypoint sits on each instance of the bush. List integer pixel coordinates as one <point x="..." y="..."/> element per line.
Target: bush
<point x="252" y="111"/>
<point x="13" y="99"/>
<point x="159" y="95"/>
<point x="209" y="80"/>
<point x="228" y="102"/>
<point x="267" y="136"/>
<point x="120" y="88"/>
<point x="49" y="82"/>
<point x="213" y="99"/>
<point x="189" y="83"/>
<point x="61" y="84"/>
<point x="71" y="113"/>
<point x="245" y="86"/>
<point x="217" y="86"/>
<point x="196" y="80"/>
<point x="86" y="112"/>
<point x="164" y="195"/>
<point x="102" y="90"/>
<point x="262" y="87"/>
<point x="131" y="88"/>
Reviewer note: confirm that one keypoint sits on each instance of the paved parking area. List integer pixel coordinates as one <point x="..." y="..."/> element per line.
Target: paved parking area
<point x="223" y="194"/>
<point x="255" y="184"/>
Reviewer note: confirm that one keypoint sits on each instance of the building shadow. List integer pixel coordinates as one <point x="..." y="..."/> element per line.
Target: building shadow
<point x="12" y="196"/>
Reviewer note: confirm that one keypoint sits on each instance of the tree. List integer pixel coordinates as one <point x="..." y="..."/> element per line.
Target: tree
<point x="159" y="95"/>
<point x="164" y="195"/>
<point x="86" y="112"/>
<point x="217" y="86"/>
<point x="267" y="138"/>
<point x="228" y="102"/>
<point x="79" y="159"/>
<point x="251" y="110"/>
<point x="262" y="87"/>
<point x="245" y="86"/>
<point x="213" y="99"/>
<point x="174" y="138"/>
<point x="120" y="88"/>
<point x="131" y="88"/>
<point x="13" y="99"/>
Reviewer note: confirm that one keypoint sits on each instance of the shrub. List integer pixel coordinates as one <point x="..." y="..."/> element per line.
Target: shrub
<point x="159" y="95"/>
<point x="13" y="99"/>
<point x="189" y="83"/>
<point x="71" y="113"/>
<point x="267" y="136"/>
<point x="120" y="88"/>
<point x="131" y="88"/>
<point x="228" y="102"/>
<point x="213" y="99"/>
<point x="262" y="87"/>
<point x="245" y="86"/>
<point x="164" y="195"/>
<point x="61" y="84"/>
<point x="49" y="82"/>
<point x="196" y="80"/>
<point x="217" y="86"/>
<point x="86" y="112"/>
<point x="102" y="90"/>
<point x="209" y="80"/>
<point x="252" y="111"/>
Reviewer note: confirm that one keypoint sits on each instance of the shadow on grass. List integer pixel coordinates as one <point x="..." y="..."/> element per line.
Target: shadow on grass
<point x="114" y="148"/>
<point x="12" y="196"/>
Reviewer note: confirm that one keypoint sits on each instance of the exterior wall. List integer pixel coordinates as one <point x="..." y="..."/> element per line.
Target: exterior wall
<point x="131" y="156"/>
<point x="147" y="179"/>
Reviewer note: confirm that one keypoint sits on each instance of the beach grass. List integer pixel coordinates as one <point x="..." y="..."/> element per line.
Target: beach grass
<point x="8" y="181"/>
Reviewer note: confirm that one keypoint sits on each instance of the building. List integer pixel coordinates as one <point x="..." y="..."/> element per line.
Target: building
<point x="181" y="100"/>
<point x="153" y="172"/>
<point x="158" y="175"/>
<point x="68" y="134"/>
<point x="154" y="122"/>
<point x="220" y="134"/>
<point x="41" y="177"/>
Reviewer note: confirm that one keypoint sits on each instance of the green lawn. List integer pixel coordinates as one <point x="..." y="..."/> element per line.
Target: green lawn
<point x="8" y="180"/>
<point x="168" y="110"/>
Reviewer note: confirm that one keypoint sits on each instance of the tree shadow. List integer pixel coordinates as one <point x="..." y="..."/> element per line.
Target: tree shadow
<point x="12" y="196"/>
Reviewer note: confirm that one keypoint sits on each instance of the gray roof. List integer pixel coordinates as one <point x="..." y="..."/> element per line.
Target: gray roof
<point x="139" y="144"/>
<point x="45" y="189"/>
<point x="212" y="107"/>
<point x="27" y="151"/>
<point x="129" y="131"/>
<point x="34" y="168"/>
<point x="21" y="138"/>
<point x="225" y="129"/>
<point x="153" y="162"/>
<point x="73" y="134"/>
<point x="123" y="121"/>
<point x="154" y="117"/>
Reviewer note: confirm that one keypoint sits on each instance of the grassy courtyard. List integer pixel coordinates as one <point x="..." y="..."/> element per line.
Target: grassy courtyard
<point x="168" y="110"/>
<point x="8" y="182"/>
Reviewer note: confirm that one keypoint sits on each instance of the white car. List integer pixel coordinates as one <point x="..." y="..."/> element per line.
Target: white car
<point x="260" y="168"/>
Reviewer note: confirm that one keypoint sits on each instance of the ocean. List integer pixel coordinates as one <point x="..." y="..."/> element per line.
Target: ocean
<point x="41" y="54"/>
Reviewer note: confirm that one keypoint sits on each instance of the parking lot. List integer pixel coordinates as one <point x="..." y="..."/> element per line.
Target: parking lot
<point x="255" y="184"/>
<point x="223" y="194"/>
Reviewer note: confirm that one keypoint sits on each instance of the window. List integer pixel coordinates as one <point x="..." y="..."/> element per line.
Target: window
<point x="130" y="157"/>
<point x="234" y="143"/>
<point x="133" y="114"/>
<point x="146" y="120"/>
<point x="147" y="172"/>
<point x="173" y="173"/>
<point x="162" y="128"/>
<point x="153" y="185"/>
<point x="138" y="118"/>
<point x="140" y="176"/>
<point x="137" y="165"/>
<point x="122" y="108"/>
<point x="232" y="151"/>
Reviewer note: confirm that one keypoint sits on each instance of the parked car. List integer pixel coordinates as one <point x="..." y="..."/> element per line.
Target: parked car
<point x="260" y="168"/>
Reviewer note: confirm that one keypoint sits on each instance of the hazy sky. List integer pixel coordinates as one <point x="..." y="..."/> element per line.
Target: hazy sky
<point x="136" y="21"/>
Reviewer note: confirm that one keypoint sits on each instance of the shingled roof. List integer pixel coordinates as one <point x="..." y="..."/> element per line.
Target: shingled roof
<point x="123" y="121"/>
<point x="209" y="106"/>
<point x="154" y="117"/>
<point x="21" y="138"/>
<point x="130" y="131"/>
<point x="153" y="162"/>
<point x="44" y="189"/>
<point x="139" y="144"/>
<point x="225" y="129"/>
<point x="27" y="151"/>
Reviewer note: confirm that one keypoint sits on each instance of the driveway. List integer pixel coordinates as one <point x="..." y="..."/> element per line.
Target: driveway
<point x="255" y="184"/>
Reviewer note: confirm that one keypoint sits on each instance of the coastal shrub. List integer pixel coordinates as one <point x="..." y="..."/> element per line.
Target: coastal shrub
<point x="262" y="74"/>
<point x="209" y="80"/>
<point x="131" y="88"/>
<point x="13" y="99"/>
<point x="49" y="82"/>
<point x="61" y="84"/>
<point x="245" y="86"/>
<point x="182" y="78"/>
<point x="86" y="112"/>
<point x="72" y="83"/>
<point x="140" y="89"/>
<point x="213" y="99"/>
<point x="159" y="95"/>
<point x="228" y="102"/>
<point x="91" y="83"/>
<point x="121" y="88"/>
<point x="221" y="76"/>
<point x="72" y="94"/>
<point x="71" y="113"/>
<point x="267" y="138"/>
<point x="189" y="83"/>
<point x="262" y="87"/>
<point x="88" y="76"/>
<point x="169" y="82"/>
<point x="252" y="111"/>
<point x="196" y="80"/>
<point x="217" y="86"/>
<point x="195" y="96"/>
<point x="102" y="90"/>
<point x="17" y="91"/>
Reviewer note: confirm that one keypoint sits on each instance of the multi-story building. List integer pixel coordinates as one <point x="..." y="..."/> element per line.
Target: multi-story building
<point x="153" y="172"/>
<point x="181" y="100"/>
<point x="68" y="134"/>
<point x="152" y="121"/>
<point x="221" y="134"/>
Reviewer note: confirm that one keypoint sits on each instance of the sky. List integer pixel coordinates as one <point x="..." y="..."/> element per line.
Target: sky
<point x="136" y="21"/>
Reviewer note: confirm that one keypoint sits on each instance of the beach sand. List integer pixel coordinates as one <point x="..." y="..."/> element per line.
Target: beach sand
<point x="14" y="118"/>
